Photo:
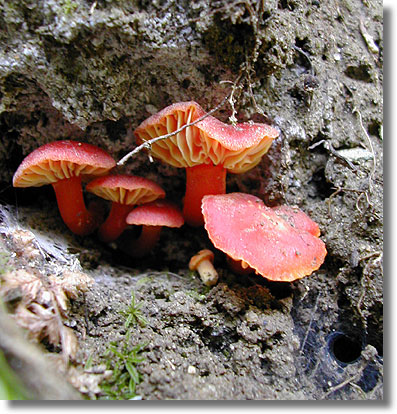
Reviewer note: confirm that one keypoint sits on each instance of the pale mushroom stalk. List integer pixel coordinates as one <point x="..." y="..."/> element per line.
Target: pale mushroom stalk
<point x="202" y="262"/>
<point x="207" y="273"/>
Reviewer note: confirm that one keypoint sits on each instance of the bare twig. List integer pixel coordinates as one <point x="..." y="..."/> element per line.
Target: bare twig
<point x="148" y="144"/>
<point x="372" y="47"/>
<point x="328" y="146"/>
<point x="371" y="176"/>
<point x="352" y="190"/>
<point x="348" y="381"/>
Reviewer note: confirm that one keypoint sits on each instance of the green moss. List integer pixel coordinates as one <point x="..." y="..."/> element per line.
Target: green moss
<point x="122" y="358"/>
<point x="68" y="6"/>
<point x="133" y="313"/>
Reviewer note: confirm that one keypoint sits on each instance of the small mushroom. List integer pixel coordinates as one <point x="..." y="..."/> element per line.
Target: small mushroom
<point x="207" y="149"/>
<point x="246" y="230"/>
<point x="152" y="217"/>
<point x="64" y="164"/>
<point x="203" y="263"/>
<point x="125" y="192"/>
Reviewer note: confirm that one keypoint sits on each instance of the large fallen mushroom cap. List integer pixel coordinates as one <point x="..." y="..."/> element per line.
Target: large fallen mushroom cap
<point x="245" y="229"/>
<point x="64" y="164"/>
<point x="152" y="217"/>
<point x="206" y="149"/>
<point x="125" y="192"/>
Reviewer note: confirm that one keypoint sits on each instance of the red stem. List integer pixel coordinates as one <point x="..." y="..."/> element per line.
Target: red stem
<point x="145" y="242"/>
<point x="71" y="205"/>
<point x="115" y="223"/>
<point x="201" y="180"/>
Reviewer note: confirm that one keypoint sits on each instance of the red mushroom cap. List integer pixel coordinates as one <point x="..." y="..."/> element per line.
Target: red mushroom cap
<point x="64" y="164"/>
<point x="157" y="213"/>
<point x="60" y="160"/>
<point x="237" y="147"/>
<point x="126" y="189"/>
<point x="245" y="229"/>
<point x="298" y="219"/>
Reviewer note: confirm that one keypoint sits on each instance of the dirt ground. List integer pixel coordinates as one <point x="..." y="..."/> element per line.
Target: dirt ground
<point x="92" y="71"/>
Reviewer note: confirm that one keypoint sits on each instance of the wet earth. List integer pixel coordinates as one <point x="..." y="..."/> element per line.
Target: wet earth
<point x="92" y="71"/>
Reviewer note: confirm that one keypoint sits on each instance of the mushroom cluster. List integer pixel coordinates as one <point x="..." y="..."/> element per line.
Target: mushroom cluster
<point x="207" y="150"/>
<point x="66" y="164"/>
<point x="281" y="243"/>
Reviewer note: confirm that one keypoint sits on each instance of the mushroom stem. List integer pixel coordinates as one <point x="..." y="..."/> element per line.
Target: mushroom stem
<point x="145" y="242"/>
<point x="207" y="273"/>
<point x="201" y="180"/>
<point x="72" y="207"/>
<point x="239" y="267"/>
<point x="115" y="223"/>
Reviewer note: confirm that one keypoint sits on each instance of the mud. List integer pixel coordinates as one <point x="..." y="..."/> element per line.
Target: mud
<point x="93" y="71"/>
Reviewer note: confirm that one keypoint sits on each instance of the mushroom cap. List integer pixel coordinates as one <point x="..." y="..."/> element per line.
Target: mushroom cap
<point x="245" y="229"/>
<point x="237" y="147"/>
<point x="156" y="213"/>
<point x="59" y="160"/>
<point x="298" y="219"/>
<point x="126" y="189"/>
<point x="204" y="254"/>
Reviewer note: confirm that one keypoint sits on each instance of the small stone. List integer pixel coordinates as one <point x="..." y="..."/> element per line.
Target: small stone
<point x="191" y="369"/>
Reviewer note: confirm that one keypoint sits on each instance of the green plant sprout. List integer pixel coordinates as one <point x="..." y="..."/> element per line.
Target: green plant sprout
<point x="133" y="313"/>
<point x="122" y="358"/>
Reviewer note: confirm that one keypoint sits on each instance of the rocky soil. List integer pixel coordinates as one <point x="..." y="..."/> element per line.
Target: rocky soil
<point x="92" y="71"/>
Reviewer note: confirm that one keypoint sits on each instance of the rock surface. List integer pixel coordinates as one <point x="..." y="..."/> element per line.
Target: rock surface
<point x="93" y="70"/>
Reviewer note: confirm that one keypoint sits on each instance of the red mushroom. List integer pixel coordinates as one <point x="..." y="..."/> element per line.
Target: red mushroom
<point x="298" y="219"/>
<point x="207" y="150"/>
<point x="152" y="217"/>
<point x="125" y="192"/>
<point x="246" y="230"/>
<point x="64" y="164"/>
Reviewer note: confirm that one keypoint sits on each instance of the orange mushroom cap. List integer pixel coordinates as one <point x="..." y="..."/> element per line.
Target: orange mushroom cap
<point x="204" y="254"/>
<point x="237" y="147"/>
<point x="245" y="229"/>
<point x="206" y="149"/>
<point x="125" y="191"/>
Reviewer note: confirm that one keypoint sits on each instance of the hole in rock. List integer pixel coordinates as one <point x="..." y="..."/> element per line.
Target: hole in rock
<point x="343" y="348"/>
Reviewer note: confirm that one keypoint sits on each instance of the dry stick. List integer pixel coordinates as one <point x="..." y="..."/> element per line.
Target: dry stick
<point x="371" y="176"/>
<point x="150" y="142"/>
<point x="348" y="381"/>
